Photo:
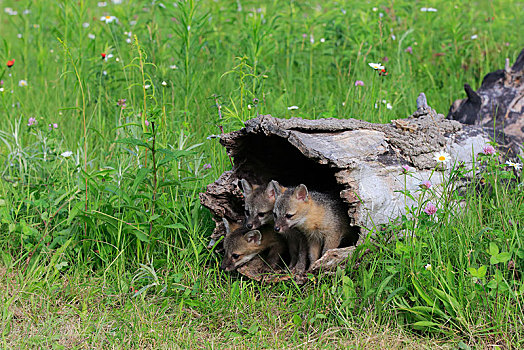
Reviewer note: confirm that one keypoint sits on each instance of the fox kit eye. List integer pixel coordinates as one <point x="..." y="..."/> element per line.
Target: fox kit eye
<point x="289" y="216"/>
<point x="261" y="215"/>
<point x="235" y="256"/>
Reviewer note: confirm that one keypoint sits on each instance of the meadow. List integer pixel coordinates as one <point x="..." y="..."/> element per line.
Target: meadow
<point x="109" y="113"/>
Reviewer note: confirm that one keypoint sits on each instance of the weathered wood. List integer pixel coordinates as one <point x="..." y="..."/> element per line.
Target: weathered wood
<point x="362" y="162"/>
<point x="499" y="101"/>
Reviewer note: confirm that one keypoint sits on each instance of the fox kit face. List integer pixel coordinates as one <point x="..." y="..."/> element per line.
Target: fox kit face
<point x="241" y="245"/>
<point x="258" y="204"/>
<point x="291" y="207"/>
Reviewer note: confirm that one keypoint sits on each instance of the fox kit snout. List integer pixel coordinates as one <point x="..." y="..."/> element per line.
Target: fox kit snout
<point x="241" y="245"/>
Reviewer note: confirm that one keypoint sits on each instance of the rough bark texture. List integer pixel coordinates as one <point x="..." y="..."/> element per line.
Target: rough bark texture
<point x="499" y="101"/>
<point x="360" y="161"/>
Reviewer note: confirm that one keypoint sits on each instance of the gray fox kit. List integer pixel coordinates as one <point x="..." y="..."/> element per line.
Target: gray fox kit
<point x="259" y="203"/>
<point x="241" y="245"/>
<point x="319" y="216"/>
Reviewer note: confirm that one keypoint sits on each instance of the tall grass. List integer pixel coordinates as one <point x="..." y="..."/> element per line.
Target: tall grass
<point x="111" y="193"/>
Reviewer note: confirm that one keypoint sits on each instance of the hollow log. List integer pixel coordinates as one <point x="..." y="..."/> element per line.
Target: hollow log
<point x="360" y="161"/>
<point x="499" y="101"/>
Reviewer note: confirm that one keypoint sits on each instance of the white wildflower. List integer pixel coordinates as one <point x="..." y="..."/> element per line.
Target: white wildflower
<point x="109" y="19"/>
<point x="516" y="166"/>
<point x="442" y="157"/>
<point x="376" y="66"/>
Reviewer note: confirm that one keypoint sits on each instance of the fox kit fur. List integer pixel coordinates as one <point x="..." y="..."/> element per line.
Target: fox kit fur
<point x="259" y="204"/>
<point x="320" y="217"/>
<point x="241" y="245"/>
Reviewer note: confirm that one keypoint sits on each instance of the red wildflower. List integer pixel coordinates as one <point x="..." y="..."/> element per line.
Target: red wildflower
<point x="103" y="55"/>
<point x="10" y="63"/>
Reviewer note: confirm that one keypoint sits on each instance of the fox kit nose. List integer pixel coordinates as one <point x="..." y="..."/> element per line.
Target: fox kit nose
<point x="277" y="228"/>
<point x="249" y="226"/>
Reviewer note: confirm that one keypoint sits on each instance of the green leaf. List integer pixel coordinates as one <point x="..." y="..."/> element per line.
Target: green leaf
<point x="473" y="271"/>
<point x="450" y="301"/>
<point x="253" y="329"/>
<point x="482" y="271"/>
<point x="141" y="236"/>
<point x="175" y="226"/>
<point x="140" y="176"/>
<point x="382" y="286"/>
<point x="426" y="324"/>
<point x="74" y="212"/>
<point x="394" y="293"/>
<point x="297" y="320"/>
<point x="133" y="142"/>
<point x="428" y="311"/>
<point x="171" y="155"/>
<point x="463" y="346"/>
<point x="492" y="284"/>
<point x="421" y="292"/>
<point x="493" y="249"/>
<point x="504" y="257"/>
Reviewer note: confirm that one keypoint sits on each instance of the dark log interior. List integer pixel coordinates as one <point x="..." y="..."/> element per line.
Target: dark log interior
<point x="264" y="158"/>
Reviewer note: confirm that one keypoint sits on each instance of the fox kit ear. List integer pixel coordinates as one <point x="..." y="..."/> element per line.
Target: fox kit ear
<point x="246" y="188"/>
<point x="226" y="224"/>
<point x="271" y="190"/>
<point x="230" y="226"/>
<point x="301" y="193"/>
<point x="254" y="237"/>
<point x="277" y="189"/>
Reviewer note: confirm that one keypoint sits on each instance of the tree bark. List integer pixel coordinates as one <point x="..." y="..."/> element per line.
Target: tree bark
<point x="498" y="106"/>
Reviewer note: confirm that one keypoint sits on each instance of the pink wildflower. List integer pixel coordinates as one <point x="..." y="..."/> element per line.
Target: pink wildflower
<point x="409" y="50"/>
<point x="122" y="103"/>
<point x="425" y="184"/>
<point x="405" y="169"/>
<point x="488" y="150"/>
<point x="207" y="166"/>
<point x="146" y="122"/>
<point x="430" y="209"/>
<point x="31" y="121"/>
<point x="359" y="83"/>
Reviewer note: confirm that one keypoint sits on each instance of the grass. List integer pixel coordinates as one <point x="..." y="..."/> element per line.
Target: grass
<point x="80" y="312"/>
<point x="102" y="236"/>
